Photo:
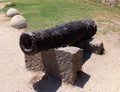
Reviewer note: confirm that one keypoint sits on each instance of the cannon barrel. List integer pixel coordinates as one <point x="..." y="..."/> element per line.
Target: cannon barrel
<point x="60" y="35"/>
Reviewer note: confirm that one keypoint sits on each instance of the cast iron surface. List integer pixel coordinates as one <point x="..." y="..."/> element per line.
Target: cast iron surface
<point x="60" y="35"/>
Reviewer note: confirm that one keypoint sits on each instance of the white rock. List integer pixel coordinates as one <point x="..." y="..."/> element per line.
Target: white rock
<point x="18" y="22"/>
<point x="12" y="12"/>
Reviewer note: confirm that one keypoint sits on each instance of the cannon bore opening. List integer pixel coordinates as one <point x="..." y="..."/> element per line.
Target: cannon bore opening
<point x="27" y="43"/>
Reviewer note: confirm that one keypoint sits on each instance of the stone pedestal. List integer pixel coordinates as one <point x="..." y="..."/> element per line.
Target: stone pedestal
<point x="92" y="46"/>
<point x="63" y="63"/>
<point x="34" y="62"/>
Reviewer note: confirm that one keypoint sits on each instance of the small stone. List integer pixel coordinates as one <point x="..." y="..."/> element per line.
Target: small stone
<point x="97" y="46"/>
<point x="111" y="2"/>
<point x="92" y="46"/>
<point x="18" y="22"/>
<point x="12" y="12"/>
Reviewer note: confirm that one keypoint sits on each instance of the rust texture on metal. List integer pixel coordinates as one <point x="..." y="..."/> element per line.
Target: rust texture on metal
<point x="60" y="35"/>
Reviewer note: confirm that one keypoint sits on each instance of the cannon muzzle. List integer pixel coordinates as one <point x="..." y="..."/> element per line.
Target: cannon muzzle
<point x="28" y="43"/>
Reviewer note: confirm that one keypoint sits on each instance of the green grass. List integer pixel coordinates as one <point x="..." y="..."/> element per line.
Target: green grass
<point x="42" y="14"/>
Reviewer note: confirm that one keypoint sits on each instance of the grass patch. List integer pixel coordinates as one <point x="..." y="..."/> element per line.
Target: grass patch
<point x="41" y="14"/>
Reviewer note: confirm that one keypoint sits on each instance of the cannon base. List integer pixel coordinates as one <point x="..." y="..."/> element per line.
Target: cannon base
<point x="63" y="63"/>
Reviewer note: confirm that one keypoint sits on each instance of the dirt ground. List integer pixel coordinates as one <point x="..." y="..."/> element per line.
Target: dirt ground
<point x="101" y="73"/>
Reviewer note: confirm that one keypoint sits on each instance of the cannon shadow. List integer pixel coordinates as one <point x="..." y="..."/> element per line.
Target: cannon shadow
<point x="82" y="79"/>
<point x="50" y="84"/>
<point x="86" y="56"/>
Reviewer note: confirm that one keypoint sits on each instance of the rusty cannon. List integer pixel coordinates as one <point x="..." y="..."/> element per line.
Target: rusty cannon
<point x="60" y="35"/>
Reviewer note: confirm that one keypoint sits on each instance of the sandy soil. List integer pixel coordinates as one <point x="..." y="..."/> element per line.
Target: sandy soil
<point x="13" y="77"/>
<point x="100" y="73"/>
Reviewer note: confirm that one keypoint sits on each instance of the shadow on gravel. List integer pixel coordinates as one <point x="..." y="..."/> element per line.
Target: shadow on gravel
<point x="48" y="84"/>
<point x="86" y="56"/>
<point x="82" y="79"/>
<point x="51" y="84"/>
